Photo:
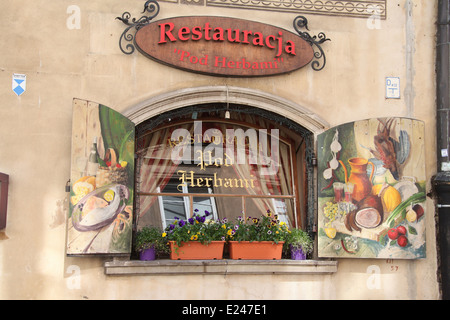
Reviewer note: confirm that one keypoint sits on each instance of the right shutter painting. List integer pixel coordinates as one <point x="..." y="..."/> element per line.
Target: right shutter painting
<point x="371" y="190"/>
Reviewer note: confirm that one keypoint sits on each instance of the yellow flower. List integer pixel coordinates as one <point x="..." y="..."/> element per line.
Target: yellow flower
<point x="224" y="226"/>
<point x="229" y="232"/>
<point x="164" y="235"/>
<point x="194" y="237"/>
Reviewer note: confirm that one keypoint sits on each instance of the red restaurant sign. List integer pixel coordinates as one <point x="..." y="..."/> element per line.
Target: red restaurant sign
<point x="223" y="46"/>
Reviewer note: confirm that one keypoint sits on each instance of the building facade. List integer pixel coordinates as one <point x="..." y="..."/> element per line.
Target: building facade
<point x="367" y="80"/>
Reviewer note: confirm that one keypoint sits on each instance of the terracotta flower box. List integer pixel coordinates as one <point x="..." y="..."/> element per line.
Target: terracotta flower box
<point x="194" y="250"/>
<point x="256" y="250"/>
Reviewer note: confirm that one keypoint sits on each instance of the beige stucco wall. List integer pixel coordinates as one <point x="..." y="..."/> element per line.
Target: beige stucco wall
<point x="63" y="63"/>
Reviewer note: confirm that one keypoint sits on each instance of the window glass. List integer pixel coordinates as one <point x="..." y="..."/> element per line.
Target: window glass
<point x="236" y="167"/>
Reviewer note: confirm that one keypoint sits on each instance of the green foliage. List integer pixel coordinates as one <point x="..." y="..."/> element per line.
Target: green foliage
<point x="198" y="228"/>
<point x="118" y="133"/>
<point x="298" y="238"/>
<point x="115" y="127"/>
<point x="265" y="228"/>
<point x="149" y="237"/>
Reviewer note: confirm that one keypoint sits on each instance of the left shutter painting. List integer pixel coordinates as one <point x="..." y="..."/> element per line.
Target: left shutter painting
<point x="102" y="181"/>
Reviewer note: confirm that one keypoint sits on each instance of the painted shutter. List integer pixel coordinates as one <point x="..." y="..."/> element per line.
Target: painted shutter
<point x="102" y="181"/>
<point x="384" y="159"/>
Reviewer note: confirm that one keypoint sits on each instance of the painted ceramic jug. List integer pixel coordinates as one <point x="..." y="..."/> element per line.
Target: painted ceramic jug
<point x="358" y="176"/>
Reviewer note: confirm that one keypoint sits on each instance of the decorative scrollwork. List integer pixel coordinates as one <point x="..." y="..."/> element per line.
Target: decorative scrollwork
<point x="315" y="41"/>
<point x="126" y="42"/>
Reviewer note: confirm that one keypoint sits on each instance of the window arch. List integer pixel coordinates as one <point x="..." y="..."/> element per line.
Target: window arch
<point x="205" y="180"/>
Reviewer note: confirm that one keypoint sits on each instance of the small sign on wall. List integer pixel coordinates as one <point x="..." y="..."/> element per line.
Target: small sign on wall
<point x="19" y="83"/>
<point x="392" y="88"/>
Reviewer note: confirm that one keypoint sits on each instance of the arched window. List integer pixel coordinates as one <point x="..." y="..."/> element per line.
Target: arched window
<point x="230" y="160"/>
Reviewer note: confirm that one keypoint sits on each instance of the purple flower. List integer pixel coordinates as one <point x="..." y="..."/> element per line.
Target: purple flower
<point x="200" y="219"/>
<point x="236" y="227"/>
<point x="191" y="220"/>
<point x="181" y="223"/>
<point x="171" y="226"/>
<point x="207" y="213"/>
<point x="195" y="210"/>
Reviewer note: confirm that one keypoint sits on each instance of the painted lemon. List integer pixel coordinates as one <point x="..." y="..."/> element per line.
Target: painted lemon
<point x="330" y="232"/>
<point x="109" y="195"/>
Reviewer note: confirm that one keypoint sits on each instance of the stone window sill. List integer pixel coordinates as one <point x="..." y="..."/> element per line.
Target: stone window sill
<point x="220" y="267"/>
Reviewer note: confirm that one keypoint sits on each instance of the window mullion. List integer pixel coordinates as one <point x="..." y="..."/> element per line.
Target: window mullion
<point x="188" y="203"/>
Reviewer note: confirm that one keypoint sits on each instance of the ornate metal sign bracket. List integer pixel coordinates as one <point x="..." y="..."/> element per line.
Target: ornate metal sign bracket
<point x="315" y="41"/>
<point x="126" y="42"/>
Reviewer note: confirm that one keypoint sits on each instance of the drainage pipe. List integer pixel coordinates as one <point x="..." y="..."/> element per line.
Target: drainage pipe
<point x="442" y="74"/>
<point x="441" y="182"/>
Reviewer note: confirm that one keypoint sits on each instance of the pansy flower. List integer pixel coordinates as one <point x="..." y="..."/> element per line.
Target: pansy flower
<point x="200" y="219"/>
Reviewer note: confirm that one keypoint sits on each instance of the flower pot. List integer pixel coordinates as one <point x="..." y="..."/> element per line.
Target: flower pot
<point x="194" y="250"/>
<point x="148" y="254"/>
<point x="256" y="250"/>
<point x="297" y="254"/>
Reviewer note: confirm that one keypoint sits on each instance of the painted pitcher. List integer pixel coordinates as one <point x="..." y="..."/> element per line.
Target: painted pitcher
<point x="358" y="176"/>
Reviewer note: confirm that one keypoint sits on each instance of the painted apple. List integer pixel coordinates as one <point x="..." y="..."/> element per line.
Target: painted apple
<point x="393" y="234"/>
